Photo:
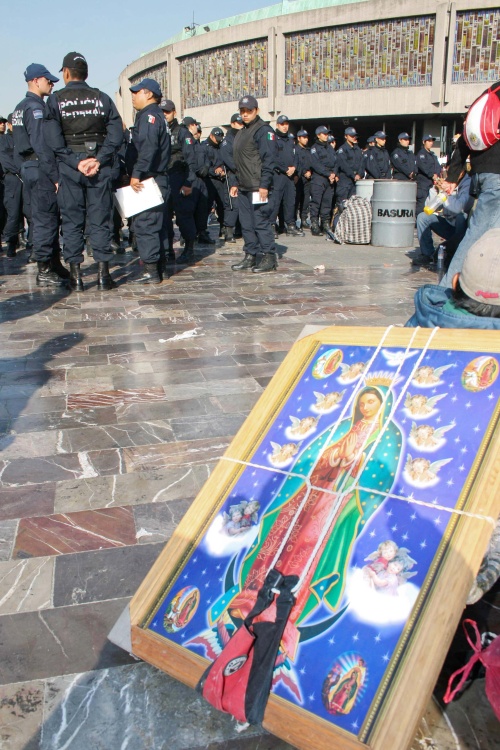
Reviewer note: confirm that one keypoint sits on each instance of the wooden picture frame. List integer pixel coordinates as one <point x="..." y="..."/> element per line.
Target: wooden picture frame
<point x="373" y="640"/>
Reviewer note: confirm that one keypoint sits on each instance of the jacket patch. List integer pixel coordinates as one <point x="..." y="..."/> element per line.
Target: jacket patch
<point x="189" y="141"/>
<point x="38" y="114"/>
<point x="151" y="119"/>
<point x="270" y="136"/>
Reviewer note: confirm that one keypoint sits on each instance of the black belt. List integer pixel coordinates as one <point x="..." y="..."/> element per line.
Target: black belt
<point x="80" y="148"/>
<point x="31" y="157"/>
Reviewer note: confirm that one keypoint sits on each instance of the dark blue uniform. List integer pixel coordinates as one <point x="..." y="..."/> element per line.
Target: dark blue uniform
<point x="217" y="184"/>
<point x="378" y="163"/>
<point x="201" y="188"/>
<point x="255" y="160"/>
<point x="324" y="164"/>
<point x="427" y="166"/>
<point x="350" y="162"/>
<point x="404" y="164"/>
<point x="148" y="155"/>
<point x="284" y="186"/>
<point x="39" y="175"/>
<point x="83" y="122"/>
<point x="181" y="172"/>
<point x="10" y="164"/>
<point x="226" y="153"/>
<point x="303" y="186"/>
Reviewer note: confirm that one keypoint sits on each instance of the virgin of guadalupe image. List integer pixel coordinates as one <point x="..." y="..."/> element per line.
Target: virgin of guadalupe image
<point x="355" y="465"/>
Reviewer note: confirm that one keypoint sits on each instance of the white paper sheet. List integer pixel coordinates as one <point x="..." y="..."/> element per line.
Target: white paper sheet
<point x="130" y="203"/>
<point x="257" y="200"/>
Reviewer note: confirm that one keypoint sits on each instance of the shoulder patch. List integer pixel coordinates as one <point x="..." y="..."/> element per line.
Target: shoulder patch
<point x="270" y="136"/>
<point x="422" y="156"/>
<point x="189" y="141"/>
<point x="395" y="156"/>
<point x="151" y="119"/>
<point x="313" y="151"/>
<point x="38" y="114"/>
<point x="340" y="151"/>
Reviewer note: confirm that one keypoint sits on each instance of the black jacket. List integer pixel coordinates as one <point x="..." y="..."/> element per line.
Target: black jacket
<point x="148" y="153"/>
<point x="323" y="159"/>
<point x="255" y="156"/>
<point x="404" y="164"/>
<point x="350" y="161"/>
<point x="427" y="165"/>
<point x="285" y="152"/>
<point x="378" y="163"/>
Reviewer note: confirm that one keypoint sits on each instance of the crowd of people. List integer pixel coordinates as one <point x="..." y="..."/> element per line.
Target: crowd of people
<point x="64" y="152"/>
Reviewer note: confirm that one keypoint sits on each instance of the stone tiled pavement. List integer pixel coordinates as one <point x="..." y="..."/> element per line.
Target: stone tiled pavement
<point x="114" y="408"/>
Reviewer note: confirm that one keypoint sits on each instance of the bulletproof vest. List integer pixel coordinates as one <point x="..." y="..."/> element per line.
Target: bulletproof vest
<point x="83" y="116"/>
<point x="176" y="162"/>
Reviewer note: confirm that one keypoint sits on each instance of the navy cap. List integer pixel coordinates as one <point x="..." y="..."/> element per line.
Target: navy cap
<point x="167" y="105"/>
<point x="281" y="119"/>
<point x="370" y="139"/>
<point x="35" y="70"/>
<point x="429" y="138"/>
<point x="350" y="131"/>
<point x="3" y="120"/>
<point x="302" y="134"/>
<point x="249" y="102"/>
<point x="147" y="83"/>
<point x="380" y="134"/>
<point x="189" y="121"/>
<point x="402" y="136"/>
<point x="217" y="133"/>
<point x="236" y="118"/>
<point x="75" y="60"/>
<point x="322" y="129"/>
<point x="331" y="138"/>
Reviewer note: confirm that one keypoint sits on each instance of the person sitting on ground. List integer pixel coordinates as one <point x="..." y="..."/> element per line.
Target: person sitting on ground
<point x="474" y="299"/>
<point x="449" y="223"/>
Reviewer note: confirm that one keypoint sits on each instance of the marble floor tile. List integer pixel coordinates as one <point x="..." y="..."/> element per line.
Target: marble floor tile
<point x="156" y="522"/>
<point x="21" y="715"/>
<point x="34" y="500"/>
<point x="26" y="585"/>
<point x="75" y="532"/>
<point x="8" y="530"/>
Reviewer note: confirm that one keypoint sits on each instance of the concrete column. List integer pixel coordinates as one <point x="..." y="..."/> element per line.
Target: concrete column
<point x="452" y="22"/>
<point x="440" y="53"/>
<point x="271" y="70"/>
<point x="281" y="102"/>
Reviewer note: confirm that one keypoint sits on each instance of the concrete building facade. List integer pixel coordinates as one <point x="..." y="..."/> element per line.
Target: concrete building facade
<point x="374" y="64"/>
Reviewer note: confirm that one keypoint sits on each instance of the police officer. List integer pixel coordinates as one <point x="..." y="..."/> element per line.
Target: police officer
<point x="285" y="176"/>
<point x="85" y="131"/>
<point x="255" y="159"/>
<point x="403" y="160"/>
<point x="10" y="164"/>
<point x="304" y="172"/>
<point x="428" y="170"/>
<point x="216" y="178"/>
<point x="378" y="161"/>
<point x="39" y="174"/>
<point x="324" y="172"/>
<point x="226" y="152"/>
<point x="181" y="175"/>
<point x="148" y="155"/>
<point x="350" y="167"/>
<point x="200" y="186"/>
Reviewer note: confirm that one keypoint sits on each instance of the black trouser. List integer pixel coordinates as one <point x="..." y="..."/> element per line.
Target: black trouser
<point x="183" y="206"/>
<point x="302" y="198"/>
<point x="216" y="195"/>
<point x="284" y="193"/>
<point x="424" y="184"/>
<point x="13" y="204"/>
<point x="151" y="228"/>
<point x="40" y="193"/>
<point x="321" y="198"/>
<point x="255" y="220"/>
<point x="346" y="187"/>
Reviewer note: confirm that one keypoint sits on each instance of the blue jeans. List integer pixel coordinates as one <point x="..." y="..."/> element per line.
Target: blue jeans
<point x="485" y="216"/>
<point x="429" y="223"/>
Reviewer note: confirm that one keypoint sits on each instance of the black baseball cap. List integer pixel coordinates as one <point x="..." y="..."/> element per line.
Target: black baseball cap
<point x="281" y="119"/>
<point x="350" y="131"/>
<point x="147" y="83"/>
<point x="302" y="134"/>
<point x="217" y="133"/>
<point x="3" y="120"/>
<point x="429" y="137"/>
<point x="190" y="121"/>
<point x="75" y="60"/>
<point x="236" y="118"/>
<point x="370" y="139"/>
<point x="249" y="102"/>
<point x="322" y="129"/>
<point x="167" y="105"/>
<point x="380" y="134"/>
<point x="404" y="136"/>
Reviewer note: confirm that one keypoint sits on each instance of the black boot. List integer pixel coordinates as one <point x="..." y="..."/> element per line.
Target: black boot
<point x="11" y="249"/>
<point x="57" y="266"/>
<point x="21" y="242"/>
<point x="88" y="248"/>
<point x="249" y="261"/>
<point x="276" y="233"/>
<point x="205" y="239"/>
<point x="104" y="280"/>
<point x="116" y="247"/>
<point x="230" y="235"/>
<point x="187" y="255"/>
<point x="292" y="230"/>
<point x="149" y="275"/>
<point x="75" y="277"/>
<point x="29" y="249"/>
<point x="267" y="262"/>
<point x="315" y="230"/>
<point x="47" y="277"/>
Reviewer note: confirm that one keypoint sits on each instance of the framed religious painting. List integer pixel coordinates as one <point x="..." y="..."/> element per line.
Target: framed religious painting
<point x="370" y="470"/>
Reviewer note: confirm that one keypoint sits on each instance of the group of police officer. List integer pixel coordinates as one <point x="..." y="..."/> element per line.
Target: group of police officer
<point x="65" y="152"/>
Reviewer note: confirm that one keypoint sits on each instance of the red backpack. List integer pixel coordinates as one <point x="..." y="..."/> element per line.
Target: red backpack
<point x="481" y="127"/>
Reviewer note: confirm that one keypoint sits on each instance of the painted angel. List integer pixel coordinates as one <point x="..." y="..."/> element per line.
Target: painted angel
<point x="394" y="359"/>
<point x="426" y="437"/>
<point x="420" y="405"/>
<point x="427" y="375"/>
<point x="395" y="574"/>
<point x="302" y="427"/>
<point x="422" y="471"/>
<point x="282" y="455"/>
<point x="351" y="372"/>
<point x="327" y="402"/>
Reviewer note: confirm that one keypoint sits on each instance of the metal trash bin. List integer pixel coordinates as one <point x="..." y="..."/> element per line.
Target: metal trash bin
<point x="364" y="188"/>
<point x="393" y="213"/>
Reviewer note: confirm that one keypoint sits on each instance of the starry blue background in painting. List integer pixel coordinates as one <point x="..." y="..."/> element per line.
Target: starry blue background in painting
<point x="417" y="528"/>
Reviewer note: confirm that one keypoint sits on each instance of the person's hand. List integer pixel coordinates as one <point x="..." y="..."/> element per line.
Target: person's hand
<point x="447" y="187"/>
<point x="88" y="167"/>
<point x="136" y="184"/>
<point x="357" y="177"/>
<point x="436" y="177"/>
<point x="57" y="187"/>
<point x="290" y="171"/>
<point x="307" y="174"/>
<point x="220" y="171"/>
<point x="233" y="191"/>
<point x="185" y="191"/>
<point x="263" y="194"/>
<point x="332" y="178"/>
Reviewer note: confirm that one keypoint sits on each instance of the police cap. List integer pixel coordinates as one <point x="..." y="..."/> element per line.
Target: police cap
<point x="236" y="118"/>
<point x="248" y="102"/>
<point x="302" y="134"/>
<point x="75" y="60"/>
<point x="370" y="139"/>
<point x="167" y="105"/>
<point x="189" y="121"/>
<point x="322" y="129"/>
<point x="428" y="138"/>
<point x="380" y="134"/>
<point x="3" y="120"/>
<point x="281" y="119"/>
<point x="35" y="70"/>
<point x="404" y="137"/>
<point x="331" y="138"/>
<point x="350" y="131"/>
<point x="217" y="133"/>
<point x="147" y="83"/>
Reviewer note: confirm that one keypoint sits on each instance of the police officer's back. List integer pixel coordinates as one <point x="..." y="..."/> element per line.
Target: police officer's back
<point x="10" y="165"/>
<point x="403" y="160"/>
